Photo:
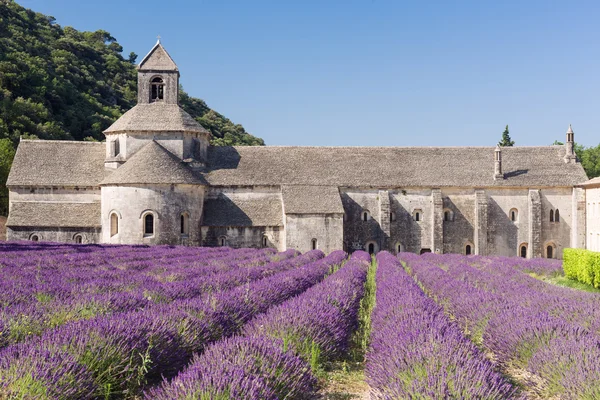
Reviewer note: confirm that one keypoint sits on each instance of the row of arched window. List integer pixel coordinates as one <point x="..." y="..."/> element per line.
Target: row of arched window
<point x="148" y="224"/>
<point x="222" y="241"/>
<point x="77" y="238"/>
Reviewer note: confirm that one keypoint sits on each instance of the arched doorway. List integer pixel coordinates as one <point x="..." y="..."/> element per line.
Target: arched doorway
<point x="549" y="251"/>
<point x="468" y="250"/>
<point x="371" y="248"/>
<point x="423" y="251"/>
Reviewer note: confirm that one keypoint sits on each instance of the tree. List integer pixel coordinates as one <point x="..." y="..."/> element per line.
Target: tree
<point x="7" y="153"/>
<point x="132" y="57"/>
<point x="506" y="141"/>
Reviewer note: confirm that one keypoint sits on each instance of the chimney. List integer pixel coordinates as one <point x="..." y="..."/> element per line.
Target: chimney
<point x="498" y="163"/>
<point x="570" y="156"/>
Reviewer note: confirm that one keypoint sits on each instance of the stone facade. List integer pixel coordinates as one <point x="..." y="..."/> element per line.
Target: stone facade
<point x="156" y="180"/>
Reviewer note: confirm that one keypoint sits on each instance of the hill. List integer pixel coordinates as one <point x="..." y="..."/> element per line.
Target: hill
<point x="63" y="84"/>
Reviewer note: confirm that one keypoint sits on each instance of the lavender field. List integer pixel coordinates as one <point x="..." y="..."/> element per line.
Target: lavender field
<point x="138" y="322"/>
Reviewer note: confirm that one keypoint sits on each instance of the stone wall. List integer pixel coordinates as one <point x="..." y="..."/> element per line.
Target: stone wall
<point x="459" y="230"/>
<point x="65" y="235"/>
<point x="247" y="236"/>
<point x="165" y="202"/>
<point x="557" y="233"/>
<point x="327" y="229"/>
<point x="504" y="235"/>
<point x="592" y="197"/>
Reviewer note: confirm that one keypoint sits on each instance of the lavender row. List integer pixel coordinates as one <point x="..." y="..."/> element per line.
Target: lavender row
<point x="114" y="357"/>
<point x="274" y="358"/>
<point x="416" y="352"/>
<point x="61" y="276"/>
<point x="545" y="334"/>
<point x="23" y="321"/>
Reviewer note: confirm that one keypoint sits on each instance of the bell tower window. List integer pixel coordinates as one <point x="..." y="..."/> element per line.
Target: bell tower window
<point x="157" y="89"/>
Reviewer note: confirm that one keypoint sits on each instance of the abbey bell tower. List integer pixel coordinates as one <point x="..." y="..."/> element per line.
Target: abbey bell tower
<point x="158" y="77"/>
<point x="157" y="117"/>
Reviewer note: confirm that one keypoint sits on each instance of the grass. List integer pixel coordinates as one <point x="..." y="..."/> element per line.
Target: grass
<point x="344" y="379"/>
<point x="561" y="280"/>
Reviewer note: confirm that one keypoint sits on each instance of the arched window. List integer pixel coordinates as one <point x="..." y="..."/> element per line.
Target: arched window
<point x="399" y="248"/>
<point x="78" y="239"/>
<point x="314" y="244"/>
<point x="371" y="247"/>
<point x="556" y="216"/>
<point x="392" y="216"/>
<point x="448" y="215"/>
<point x="157" y="89"/>
<point x="523" y="250"/>
<point x="34" y="238"/>
<point x="468" y="250"/>
<point x="114" y="224"/>
<point x="514" y="214"/>
<point x="265" y="241"/>
<point x="149" y="224"/>
<point x="551" y="215"/>
<point x="184" y="224"/>
<point x="417" y="214"/>
<point x="222" y="241"/>
<point x="365" y="215"/>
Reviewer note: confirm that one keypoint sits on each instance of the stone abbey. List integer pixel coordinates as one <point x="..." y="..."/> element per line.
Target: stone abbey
<point x="157" y="180"/>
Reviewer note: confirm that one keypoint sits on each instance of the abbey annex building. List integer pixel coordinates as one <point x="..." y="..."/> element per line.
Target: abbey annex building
<point x="156" y="180"/>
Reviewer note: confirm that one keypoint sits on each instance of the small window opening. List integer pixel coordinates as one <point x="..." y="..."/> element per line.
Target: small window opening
<point x="513" y="215"/>
<point x="149" y="225"/>
<point x="446" y="216"/>
<point x="184" y="224"/>
<point x="157" y="90"/>
<point x="392" y="216"/>
<point x="365" y="216"/>
<point x="523" y="251"/>
<point x="78" y="239"/>
<point x="468" y="250"/>
<point x="399" y="248"/>
<point x="417" y="216"/>
<point x="551" y="215"/>
<point x="314" y="244"/>
<point x="114" y="224"/>
<point x="556" y="216"/>
<point x="35" y="238"/>
<point x="265" y="241"/>
<point x="371" y="248"/>
<point x="222" y="241"/>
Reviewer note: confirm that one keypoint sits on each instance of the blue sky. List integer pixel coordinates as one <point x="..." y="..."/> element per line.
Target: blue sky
<point x="373" y="72"/>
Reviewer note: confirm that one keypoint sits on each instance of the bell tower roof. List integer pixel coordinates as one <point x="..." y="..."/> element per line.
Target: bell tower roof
<point x="157" y="60"/>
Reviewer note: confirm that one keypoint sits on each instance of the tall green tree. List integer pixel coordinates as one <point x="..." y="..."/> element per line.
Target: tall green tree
<point x="506" y="140"/>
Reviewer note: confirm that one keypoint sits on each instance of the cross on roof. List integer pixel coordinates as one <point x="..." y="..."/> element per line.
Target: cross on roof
<point x="158" y="37"/>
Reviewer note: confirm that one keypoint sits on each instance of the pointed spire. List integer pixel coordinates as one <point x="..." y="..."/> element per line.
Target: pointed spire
<point x="570" y="130"/>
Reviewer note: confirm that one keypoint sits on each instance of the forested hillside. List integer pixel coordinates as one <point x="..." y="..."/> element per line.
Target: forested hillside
<point x="59" y="83"/>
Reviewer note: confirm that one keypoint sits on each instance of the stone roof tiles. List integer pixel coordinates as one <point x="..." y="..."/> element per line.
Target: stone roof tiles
<point x="243" y="210"/>
<point x="158" y="59"/>
<point x="57" y="163"/>
<point x="156" y="117"/>
<point x="391" y="166"/>
<point x="312" y="200"/>
<point x="591" y="183"/>
<point x="54" y="214"/>
<point x="153" y="164"/>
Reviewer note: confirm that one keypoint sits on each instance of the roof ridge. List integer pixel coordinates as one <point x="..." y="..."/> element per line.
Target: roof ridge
<point x="60" y="141"/>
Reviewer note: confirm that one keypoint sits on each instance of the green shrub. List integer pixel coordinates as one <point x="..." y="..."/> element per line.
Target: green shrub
<point x="582" y="265"/>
